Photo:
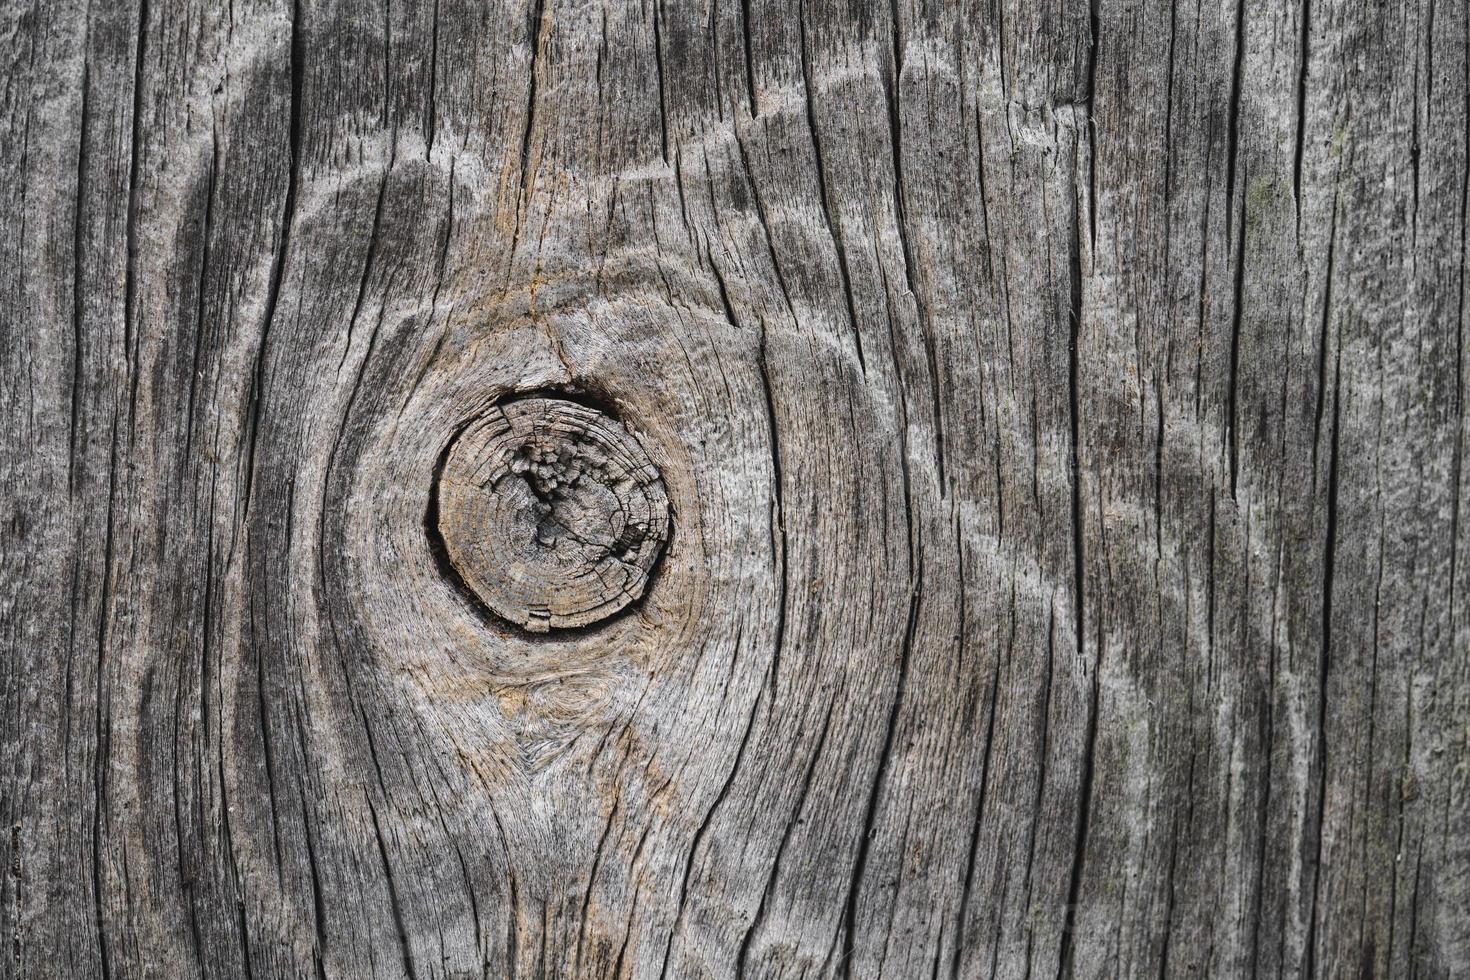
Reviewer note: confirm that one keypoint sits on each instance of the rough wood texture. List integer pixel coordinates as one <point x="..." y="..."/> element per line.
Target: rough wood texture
<point x="550" y="513"/>
<point x="1061" y="409"/>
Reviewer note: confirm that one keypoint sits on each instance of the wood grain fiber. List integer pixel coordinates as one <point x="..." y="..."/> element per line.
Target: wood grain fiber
<point x="1060" y="406"/>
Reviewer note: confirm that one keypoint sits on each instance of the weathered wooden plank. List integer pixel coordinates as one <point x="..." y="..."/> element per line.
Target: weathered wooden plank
<point x="1060" y="411"/>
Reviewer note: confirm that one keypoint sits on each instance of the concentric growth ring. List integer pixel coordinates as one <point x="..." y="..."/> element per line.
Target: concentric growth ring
<point x="552" y="513"/>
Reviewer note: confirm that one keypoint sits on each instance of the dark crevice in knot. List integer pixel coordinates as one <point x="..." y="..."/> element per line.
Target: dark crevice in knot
<point x="548" y="473"/>
<point x="633" y="535"/>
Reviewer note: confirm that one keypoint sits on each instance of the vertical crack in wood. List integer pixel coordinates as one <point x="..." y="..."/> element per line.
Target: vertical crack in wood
<point x="834" y="230"/>
<point x="1236" y="245"/>
<point x="278" y="265"/>
<point x="880" y="777"/>
<point x="1324" y="667"/>
<point x="778" y="520"/>
<point x="78" y="294"/>
<point x="1304" y="51"/>
<point x="746" y="32"/>
<point x="1079" y="589"/>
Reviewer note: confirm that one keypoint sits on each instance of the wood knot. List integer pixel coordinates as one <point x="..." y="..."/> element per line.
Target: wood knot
<point x="551" y="513"/>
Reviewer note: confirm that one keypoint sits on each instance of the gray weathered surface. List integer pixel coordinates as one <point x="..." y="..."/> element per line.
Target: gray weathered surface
<point x="1061" y="408"/>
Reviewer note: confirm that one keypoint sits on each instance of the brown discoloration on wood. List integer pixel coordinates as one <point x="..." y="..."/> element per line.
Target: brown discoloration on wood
<point x="1060" y="404"/>
<point x="551" y="512"/>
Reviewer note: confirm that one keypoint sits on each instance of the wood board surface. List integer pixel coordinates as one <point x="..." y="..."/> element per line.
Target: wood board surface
<point x="1060" y="407"/>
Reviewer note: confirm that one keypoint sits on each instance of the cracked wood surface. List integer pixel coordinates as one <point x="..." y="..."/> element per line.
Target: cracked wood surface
<point x="1060" y="408"/>
<point x="550" y="512"/>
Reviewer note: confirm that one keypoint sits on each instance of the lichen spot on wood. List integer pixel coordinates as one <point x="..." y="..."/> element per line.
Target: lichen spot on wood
<point x="551" y="513"/>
